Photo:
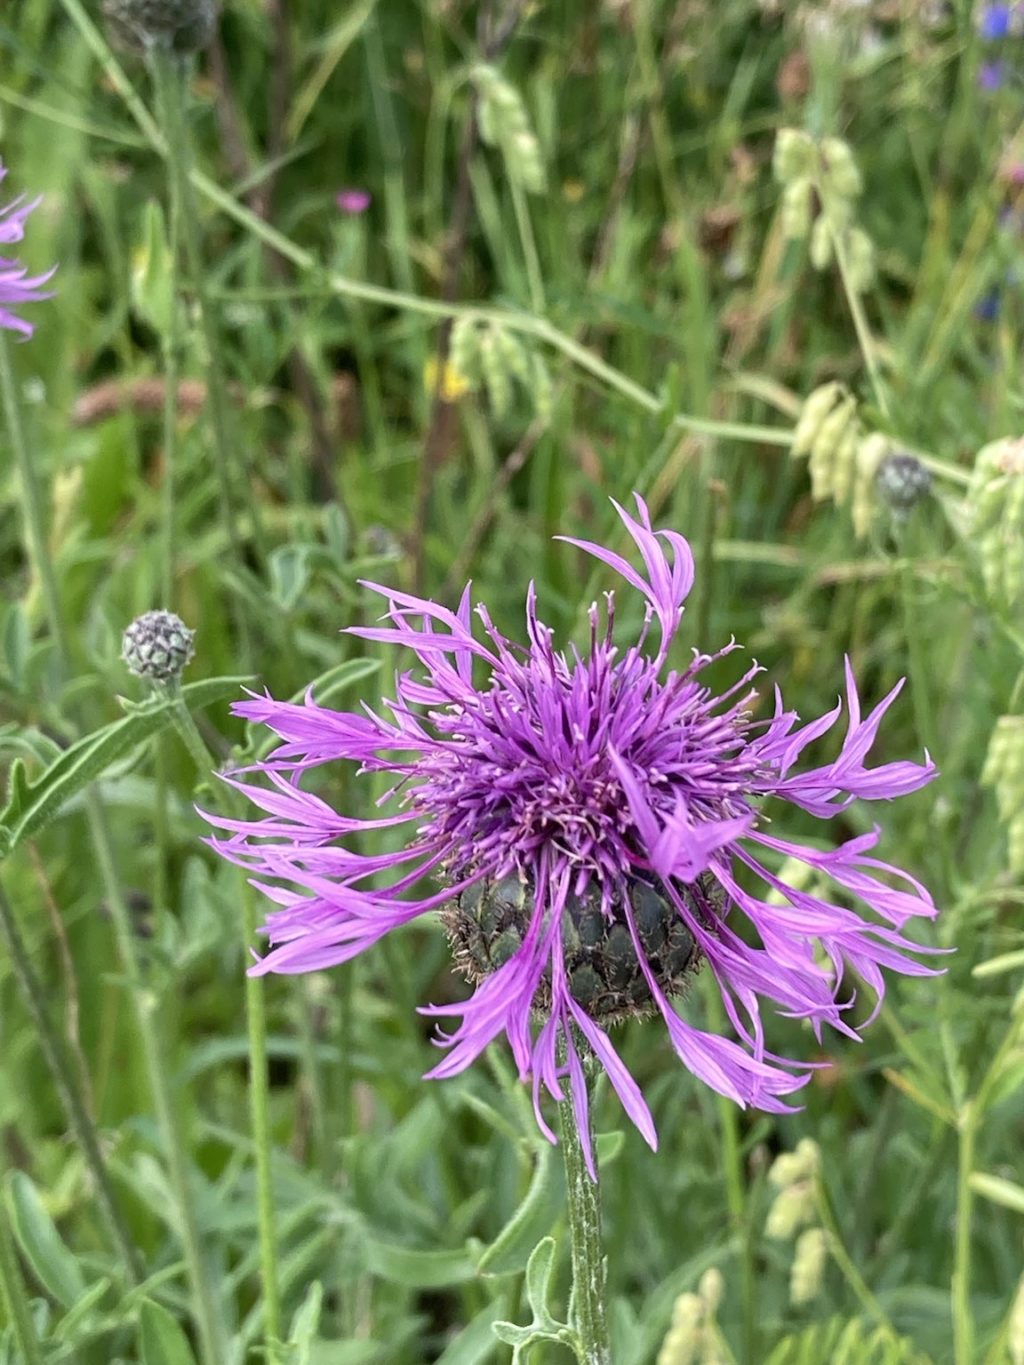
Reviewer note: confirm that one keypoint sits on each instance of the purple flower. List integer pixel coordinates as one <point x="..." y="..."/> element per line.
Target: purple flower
<point x="994" y="22"/>
<point x="353" y="201"/>
<point x="991" y="75"/>
<point x="17" y="286"/>
<point x="594" y="823"/>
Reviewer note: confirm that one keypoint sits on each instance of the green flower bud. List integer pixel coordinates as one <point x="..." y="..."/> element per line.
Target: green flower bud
<point x="1003" y="771"/>
<point x="157" y="646"/>
<point x="821" y="243"/>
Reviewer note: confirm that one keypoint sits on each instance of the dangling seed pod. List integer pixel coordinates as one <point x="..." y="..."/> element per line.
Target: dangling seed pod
<point x="997" y="517"/>
<point x="488" y="922"/>
<point x="871" y="451"/>
<point x="180" y="26"/>
<point x="1004" y="772"/>
<point x="808" y="1269"/>
<point x="157" y="646"/>
<point x="817" y="406"/>
<point x="831" y="442"/>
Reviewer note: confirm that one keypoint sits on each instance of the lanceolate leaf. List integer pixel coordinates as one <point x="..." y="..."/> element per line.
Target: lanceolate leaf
<point x="32" y="804"/>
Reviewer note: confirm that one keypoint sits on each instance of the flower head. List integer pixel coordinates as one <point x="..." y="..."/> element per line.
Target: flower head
<point x="158" y="646"/>
<point x="353" y="201"/>
<point x="17" y="286"/>
<point x="594" y="822"/>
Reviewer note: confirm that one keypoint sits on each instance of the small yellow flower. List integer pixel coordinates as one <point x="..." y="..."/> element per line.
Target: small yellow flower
<point x="573" y="191"/>
<point x="453" y="386"/>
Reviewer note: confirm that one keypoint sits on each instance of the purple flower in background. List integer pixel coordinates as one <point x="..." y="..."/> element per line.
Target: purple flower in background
<point x="991" y="75"/>
<point x="17" y="286"/>
<point x="593" y="821"/>
<point x="353" y="201"/>
<point x="994" y="22"/>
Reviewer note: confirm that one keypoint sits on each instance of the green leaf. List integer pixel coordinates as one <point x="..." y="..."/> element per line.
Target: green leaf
<point x="305" y="1323"/>
<point x="162" y="1342"/>
<point x="418" y="1269"/>
<point x="35" y="1231"/>
<point x="152" y="276"/>
<point x="33" y="804"/>
<point x="1005" y="1192"/>
<point x="68" y="1327"/>
<point x="477" y="1341"/>
<point x="532" y="1220"/>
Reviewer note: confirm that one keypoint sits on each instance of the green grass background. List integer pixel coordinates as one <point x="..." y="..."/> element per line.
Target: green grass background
<point x="652" y="117"/>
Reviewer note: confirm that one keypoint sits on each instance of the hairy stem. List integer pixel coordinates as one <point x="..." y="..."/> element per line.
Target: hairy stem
<point x="589" y="1290"/>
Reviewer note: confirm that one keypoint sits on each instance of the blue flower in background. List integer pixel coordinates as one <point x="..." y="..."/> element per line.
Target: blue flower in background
<point x="995" y="22"/>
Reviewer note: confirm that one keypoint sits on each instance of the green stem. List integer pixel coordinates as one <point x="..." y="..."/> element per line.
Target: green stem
<point x="963" y="1317"/>
<point x="165" y="82"/>
<point x="860" y="323"/>
<point x="33" y="512"/>
<point x="173" y="88"/>
<point x="68" y="1088"/>
<point x="837" y="1250"/>
<point x="15" y="1297"/>
<point x="208" y="1321"/>
<point x="256" y="1019"/>
<point x="589" y="1289"/>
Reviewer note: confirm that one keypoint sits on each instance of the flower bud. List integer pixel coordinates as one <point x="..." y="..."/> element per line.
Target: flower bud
<point x="821" y="243"/>
<point x="839" y="168"/>
<point x="902" y="481"/>
<point x="157" y="646"/>
<point x="1004" y="772"/>
<point x="797" y="203"/>
<point x="181" y="26"/>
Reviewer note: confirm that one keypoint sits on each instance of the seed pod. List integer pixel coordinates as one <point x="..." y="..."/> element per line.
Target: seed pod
<point x="821" y="243"/>
<point x="1004" y="772"/>
<point x="808" y="1269"/>
<point x="797" y="203"/>
<point x="505" y="124"/>
<point x="860" y="254"/>
<point x="684" y="1336"/>
<point x="829" y="443"/>
<point x="997" y="517"/>
<point x="844" y="465"/>
<point x="157" y="646"/>
<point x="839" y="170"/>
<point x="497" y="379"/>
<point x="816" y="408"/>
<point x="871" y="451"/>
<point x="794" y="155"/>
<point x="464" y="349"/>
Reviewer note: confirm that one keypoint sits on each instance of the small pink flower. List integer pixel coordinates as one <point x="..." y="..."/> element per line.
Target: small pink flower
<point x="353" y="201"/>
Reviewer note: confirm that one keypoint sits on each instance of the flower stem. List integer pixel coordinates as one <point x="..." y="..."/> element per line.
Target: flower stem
<point x="68" y="1088"/>
<point x="588" y="1260"/>
<point x="164" y="80"/>
<point x="256" y="1020"/>
<point x="15" y="1299"/>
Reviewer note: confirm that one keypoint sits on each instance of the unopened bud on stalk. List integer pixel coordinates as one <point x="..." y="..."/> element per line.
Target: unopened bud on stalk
<point x="902" y="482"/>
<point x="997" y="516"/>
<point x="793" y="1174"/>
<point x="180" y="26"/>
<point x="835" y="442"/>
<point x="157" y="646"/>
<point x="871" y="451"/>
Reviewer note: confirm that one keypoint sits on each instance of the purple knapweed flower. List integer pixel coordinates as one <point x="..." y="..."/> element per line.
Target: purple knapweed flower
<point x="594" y="822"/>
<point x="353" y="201"/>
<point x="17" y="286"/>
